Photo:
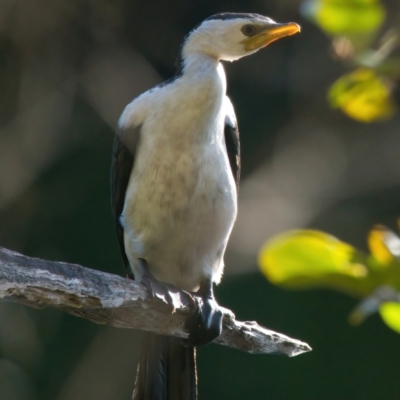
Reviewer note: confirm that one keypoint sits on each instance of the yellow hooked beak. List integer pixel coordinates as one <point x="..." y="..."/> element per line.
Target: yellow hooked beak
<point x="269" y="35"/>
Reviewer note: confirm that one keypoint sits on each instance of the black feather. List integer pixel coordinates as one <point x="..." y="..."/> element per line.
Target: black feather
<point x="166" y="370"/>
<point x="232" y="142"/>
<point x="226" y="16"/>
<point x="123" y="157"/>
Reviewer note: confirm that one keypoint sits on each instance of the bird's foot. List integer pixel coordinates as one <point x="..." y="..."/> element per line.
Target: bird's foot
<point x="129" y="275"/>
<point x="169" y="294"/>
<point x="205" y="324"/>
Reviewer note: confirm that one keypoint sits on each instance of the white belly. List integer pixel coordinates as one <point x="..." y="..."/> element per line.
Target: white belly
<point x="179" y="213"/>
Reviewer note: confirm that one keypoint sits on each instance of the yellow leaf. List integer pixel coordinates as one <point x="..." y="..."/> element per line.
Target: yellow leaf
<point x="363" y="96"/>
<point x="381" y="242"/>
<point x="312" y="258"/>
<point x="342" y="17"/>
<point x="390" y="313"/>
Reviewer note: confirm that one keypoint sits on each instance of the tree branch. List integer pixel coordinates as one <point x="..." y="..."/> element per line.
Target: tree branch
<point x="109" y="299"/>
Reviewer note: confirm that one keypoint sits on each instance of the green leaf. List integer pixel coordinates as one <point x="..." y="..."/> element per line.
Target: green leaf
<point x="301" y="259"/>
<point x="390" y="313"/>
<point x="307" y="258"/>
<point x="363" y="95"/>
<point x="346" y="17"/>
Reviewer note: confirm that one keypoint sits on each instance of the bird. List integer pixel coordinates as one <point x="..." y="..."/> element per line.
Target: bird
<point x="174" y="185"/>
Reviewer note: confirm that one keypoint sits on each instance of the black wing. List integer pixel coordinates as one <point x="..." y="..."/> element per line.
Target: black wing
<point x="123" y="157"/>
<point x="232" y="141"/>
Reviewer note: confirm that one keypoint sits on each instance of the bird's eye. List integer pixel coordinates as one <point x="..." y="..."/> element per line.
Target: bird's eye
<point x="248" y="30"/>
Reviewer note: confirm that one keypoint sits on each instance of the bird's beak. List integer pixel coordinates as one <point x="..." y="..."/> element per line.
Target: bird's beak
<point x="269" y="35"/>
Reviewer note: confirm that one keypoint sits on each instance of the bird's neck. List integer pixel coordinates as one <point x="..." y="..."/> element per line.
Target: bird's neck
<point x="204" y="69"/>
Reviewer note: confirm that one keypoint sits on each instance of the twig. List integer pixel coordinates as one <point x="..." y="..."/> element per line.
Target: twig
<point x="109" y="299"/>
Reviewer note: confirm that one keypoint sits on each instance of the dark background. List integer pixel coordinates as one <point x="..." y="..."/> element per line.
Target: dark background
<point x="67" y="69"/>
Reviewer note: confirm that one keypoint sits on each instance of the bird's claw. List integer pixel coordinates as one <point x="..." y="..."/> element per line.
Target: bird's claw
<point x="205" y="323"/>
<point x="169" y="294"/>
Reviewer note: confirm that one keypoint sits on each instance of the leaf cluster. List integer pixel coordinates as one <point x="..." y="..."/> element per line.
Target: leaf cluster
<point x="304" y="259"/>
<point x="358" y="40"/>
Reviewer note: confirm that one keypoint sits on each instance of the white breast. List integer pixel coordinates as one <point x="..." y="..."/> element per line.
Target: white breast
<point x="181" y="199"/>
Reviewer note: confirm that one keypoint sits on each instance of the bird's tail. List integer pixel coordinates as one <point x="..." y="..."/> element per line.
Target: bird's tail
<point x="166" y="370"/>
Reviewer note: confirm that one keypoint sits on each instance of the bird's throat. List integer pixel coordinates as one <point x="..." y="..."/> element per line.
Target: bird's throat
<point x="203" y="81"/>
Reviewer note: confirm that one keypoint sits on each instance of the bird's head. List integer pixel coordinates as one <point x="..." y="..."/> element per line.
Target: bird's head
<point x="230" y="36"/>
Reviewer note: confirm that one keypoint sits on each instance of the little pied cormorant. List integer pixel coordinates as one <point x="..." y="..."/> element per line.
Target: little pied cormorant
<point x="175" y="177"/>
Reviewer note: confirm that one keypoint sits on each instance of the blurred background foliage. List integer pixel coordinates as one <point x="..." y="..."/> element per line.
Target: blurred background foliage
<point x="68" y="67"/>
<point x="304" y="259"/>
<point x="360" y="43"/>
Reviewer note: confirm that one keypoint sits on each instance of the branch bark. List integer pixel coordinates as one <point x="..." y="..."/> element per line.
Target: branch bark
<point x="108" y="299"/>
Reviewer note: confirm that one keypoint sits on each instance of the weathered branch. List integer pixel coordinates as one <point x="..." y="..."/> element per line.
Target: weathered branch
<point x="109" y="299"/>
